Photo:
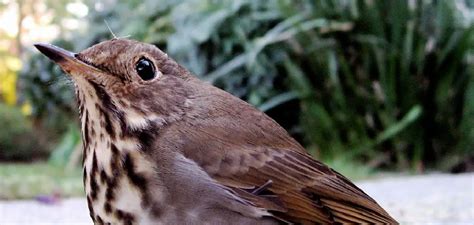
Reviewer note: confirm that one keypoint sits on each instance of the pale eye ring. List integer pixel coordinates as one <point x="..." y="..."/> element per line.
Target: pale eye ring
<point x="145" y="69"/>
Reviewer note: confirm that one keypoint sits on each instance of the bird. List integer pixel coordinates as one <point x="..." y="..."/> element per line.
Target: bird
<point x="161" y="146"/>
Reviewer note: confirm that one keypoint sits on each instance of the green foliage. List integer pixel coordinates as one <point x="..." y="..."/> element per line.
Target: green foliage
<point x="61" y="155"/>
<point x="392" y="86"/>
<point x="17" y="139"/>
<point x="383" y="83"/>
<point x="30" y="180"/>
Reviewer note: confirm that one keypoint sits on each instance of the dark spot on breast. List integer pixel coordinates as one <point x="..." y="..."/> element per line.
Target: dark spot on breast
<point x="94" y="188"/>
<point x="103" y="176"/>
<point x="119" y="213"/>
<point x="137" y="179"/>
<point x="108" y="125"/>
<point x="145" y="138"/>
<point x="110" y="194"/>
<point x="112" y="180"/>
<point x="126" y="217"/>
<point x="114" y="151"/>
<point x="115" y="159"/>
<point x="108" y="109"/>
<point x="107" y="102"/>
<point x="102" y="94"/>
<point x="124" y="127"/>
<point x="84" y="175"/>
<point x="107" y="208"/>
<point x="99" y="220"/>
<point x="91" y="210"/>
<point x="86" y="129"/>
<point x="92" y="129"/>
<point x="111" y="187"/>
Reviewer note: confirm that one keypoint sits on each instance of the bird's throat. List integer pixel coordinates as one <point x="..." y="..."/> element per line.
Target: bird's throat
<point x="116" y="173"/>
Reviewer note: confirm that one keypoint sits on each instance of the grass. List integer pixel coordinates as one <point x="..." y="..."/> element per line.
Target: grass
<point x="351" y="169"/>
<point x="23" y="181"/>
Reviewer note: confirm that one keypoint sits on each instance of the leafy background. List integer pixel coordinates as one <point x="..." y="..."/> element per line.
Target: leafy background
<point x="364" y="85"/>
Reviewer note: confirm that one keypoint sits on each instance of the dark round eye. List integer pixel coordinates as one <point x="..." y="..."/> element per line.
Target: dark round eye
<point x="145" y="69"/>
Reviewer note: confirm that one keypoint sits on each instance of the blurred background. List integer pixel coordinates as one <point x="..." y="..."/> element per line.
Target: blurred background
<point x="375" y="89"/>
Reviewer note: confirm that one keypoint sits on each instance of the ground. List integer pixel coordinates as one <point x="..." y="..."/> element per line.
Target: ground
<point x="425" y="199"/>
<point x="428" y="199"/>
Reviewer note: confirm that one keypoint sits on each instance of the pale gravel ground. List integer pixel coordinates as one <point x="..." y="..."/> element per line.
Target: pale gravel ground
<point x="428" y="199"/>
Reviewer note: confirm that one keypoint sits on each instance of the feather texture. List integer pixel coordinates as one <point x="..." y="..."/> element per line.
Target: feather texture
<point x="242" y="148"/>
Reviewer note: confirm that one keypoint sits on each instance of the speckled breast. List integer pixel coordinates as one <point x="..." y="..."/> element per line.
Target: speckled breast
<point x="117" y="175"/>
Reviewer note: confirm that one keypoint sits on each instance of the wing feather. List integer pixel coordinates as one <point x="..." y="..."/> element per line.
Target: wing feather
<point x="306" y="189"/>
<point x="243" y="148"/>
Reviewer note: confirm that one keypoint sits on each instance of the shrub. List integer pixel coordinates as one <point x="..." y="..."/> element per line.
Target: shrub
<point x="384" y="83"/>
<point x="17" y="139"/>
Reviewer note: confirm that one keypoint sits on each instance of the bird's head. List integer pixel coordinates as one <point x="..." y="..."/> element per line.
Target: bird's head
<point x="125" y="83"/>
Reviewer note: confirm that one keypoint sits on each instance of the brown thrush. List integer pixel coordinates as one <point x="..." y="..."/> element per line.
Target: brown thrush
<point x="163" y="147"/>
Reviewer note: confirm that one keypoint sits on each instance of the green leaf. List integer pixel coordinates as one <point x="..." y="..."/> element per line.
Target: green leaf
<point x="277" y="100"/>
<point x="412" y="115"/>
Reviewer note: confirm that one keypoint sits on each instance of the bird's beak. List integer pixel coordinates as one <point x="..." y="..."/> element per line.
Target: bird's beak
<point x="65" y="59"/>
<point x="57" y="54"/>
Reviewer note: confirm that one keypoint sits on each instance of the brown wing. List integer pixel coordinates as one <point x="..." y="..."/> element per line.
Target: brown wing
<point x="243" y="148"/>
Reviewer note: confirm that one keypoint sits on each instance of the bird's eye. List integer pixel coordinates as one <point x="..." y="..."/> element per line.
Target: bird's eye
<point x="145" y="69"/>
